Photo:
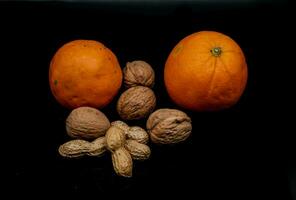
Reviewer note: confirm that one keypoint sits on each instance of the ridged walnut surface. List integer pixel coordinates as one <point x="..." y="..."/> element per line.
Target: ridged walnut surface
<point x="168" y="126"/>
<point x="87" y="123"/>
<point x="138" y="73"/>
<point x="136" y="103"/>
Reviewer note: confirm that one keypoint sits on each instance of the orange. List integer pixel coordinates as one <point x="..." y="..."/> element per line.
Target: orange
<point x="84" y="73"/>
<point x="206" y="71"/>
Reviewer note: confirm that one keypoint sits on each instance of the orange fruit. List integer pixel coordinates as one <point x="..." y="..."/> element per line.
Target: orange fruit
<point x="84" y="73"/>
<point x="206" y="71"/>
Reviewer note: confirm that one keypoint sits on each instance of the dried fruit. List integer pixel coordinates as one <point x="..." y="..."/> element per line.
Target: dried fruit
<point x="138" y="73"/>
<point x="87" y="123"/>
<point x="168" y="126"/>
<point x="136" y="103"/>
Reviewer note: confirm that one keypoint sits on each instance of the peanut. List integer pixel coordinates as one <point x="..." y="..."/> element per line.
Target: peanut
<point x="122" y="125"/>
<point x="122" y="162"/>
<point x="134" y="133"/>
<point x="121" y="158"/>
<point x="78" y="148"/>
<point x="115" y="138"/>
<point x="125" y="144"/>
<point x="97" y="147"/>
<point x="138" y="134"/>
<point x="137" y="150"/>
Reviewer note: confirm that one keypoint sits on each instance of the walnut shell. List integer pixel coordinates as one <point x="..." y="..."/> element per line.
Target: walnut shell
<point x="168" y="126"/>
<point x="138" y="73"/>
<point x="136" y="103"/>
<point x="87" y="123"/>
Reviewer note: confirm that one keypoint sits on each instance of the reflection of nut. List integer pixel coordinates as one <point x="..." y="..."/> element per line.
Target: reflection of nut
<point x="136" y="103"/>
<point x="168" y="126"/>
<point x="138" y="73"/>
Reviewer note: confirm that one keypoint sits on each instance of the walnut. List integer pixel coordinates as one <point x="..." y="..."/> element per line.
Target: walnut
<point x="87" y="123"/>
<point x="168" y="126"/>
<point x="136" y="103"/>
<point x="138" y="73"/>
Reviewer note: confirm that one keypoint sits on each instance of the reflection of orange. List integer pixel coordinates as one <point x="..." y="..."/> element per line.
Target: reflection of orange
<point x="84" y="73"/>
<point x="206" y="71"/>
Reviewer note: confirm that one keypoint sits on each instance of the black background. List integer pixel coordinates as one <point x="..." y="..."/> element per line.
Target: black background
<point x="236" y="153"/>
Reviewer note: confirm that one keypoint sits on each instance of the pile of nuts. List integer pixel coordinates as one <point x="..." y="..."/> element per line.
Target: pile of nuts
<point x="93" y="134"/>
<point x="139" y="100"/>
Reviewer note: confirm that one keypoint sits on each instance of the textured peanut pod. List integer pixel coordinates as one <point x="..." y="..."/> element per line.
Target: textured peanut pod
<point x="139" y="134"/>
<point x="168" y="126"/>
<point x="137" y="150"/>
<point x="122" y="162"/>
<point x="79" y="148"/>
<point x="74" y="148"/>
<point x="97" y="147"/>
<point x="136" y="103"/>
<point x="122" y="125"/>
<point x="115" y="138"/>
<point x="138" y="73"/>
